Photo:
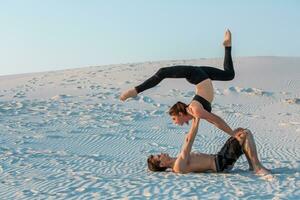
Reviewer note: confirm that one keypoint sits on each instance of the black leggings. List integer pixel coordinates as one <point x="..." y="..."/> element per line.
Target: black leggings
<point x="193" y="74"/>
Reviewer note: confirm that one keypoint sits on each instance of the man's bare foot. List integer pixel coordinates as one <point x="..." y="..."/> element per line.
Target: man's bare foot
<point x="227" y="38"/>
<point x="262" y="171"/>
<point x="127" y="94"/>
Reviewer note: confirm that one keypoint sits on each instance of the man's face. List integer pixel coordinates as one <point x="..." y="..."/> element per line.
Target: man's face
<point x="179" y="119"/>
<point x="163" y="158"/>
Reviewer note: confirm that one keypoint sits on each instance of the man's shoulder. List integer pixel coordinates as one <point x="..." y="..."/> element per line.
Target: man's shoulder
<point x="180" y="164"/>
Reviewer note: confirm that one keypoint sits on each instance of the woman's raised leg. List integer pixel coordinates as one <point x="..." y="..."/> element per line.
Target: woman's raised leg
<point x="228" y="73"/>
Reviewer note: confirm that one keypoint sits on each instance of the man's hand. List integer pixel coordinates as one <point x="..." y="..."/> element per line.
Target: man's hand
<point x="240" y="135"/>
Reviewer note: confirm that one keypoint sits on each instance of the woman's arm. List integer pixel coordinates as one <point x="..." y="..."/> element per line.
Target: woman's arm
<point x="181" y="163"/>
<point x="212" y="118"/>
<point x="189" y="139"/>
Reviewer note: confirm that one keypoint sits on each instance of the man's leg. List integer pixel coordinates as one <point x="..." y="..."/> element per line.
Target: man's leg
<point x="240" y="135"/>
<point x="246" y="139"/>
<point x="249" y="162"/>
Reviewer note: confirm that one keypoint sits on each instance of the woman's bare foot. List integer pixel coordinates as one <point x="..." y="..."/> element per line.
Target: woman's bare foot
<point x="227" y="38"/>
<point x="262" y="171"/>
<point x="127" y="94"/>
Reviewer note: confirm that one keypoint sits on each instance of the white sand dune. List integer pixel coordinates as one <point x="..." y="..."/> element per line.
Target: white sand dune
<point x="66" y="135"/>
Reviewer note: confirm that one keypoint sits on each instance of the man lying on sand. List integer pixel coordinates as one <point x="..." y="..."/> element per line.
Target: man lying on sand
<point x="241" y="142"/>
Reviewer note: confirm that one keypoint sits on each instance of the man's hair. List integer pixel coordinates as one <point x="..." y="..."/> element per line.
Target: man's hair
<point x="153" y="165"/>
<point x="177" y="108"/>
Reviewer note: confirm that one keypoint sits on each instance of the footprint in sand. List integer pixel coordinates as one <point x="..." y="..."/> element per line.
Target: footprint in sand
<point x="55" y="137"/>
<point x="248" y="91"/>
<point x="95" y="87"/>
<point x="60" y="97"/>
<point x="132" y="138"/>
<point x="160" y="105"/>
<point x="293" y="101"/>
<point x="33" y="80"/>
<point x="81" y="87"/>
<point x="144" y="99"/>
<point x="218" y="92"/>
<point x="294" y="123"/>
<point x="157" y="113"/>
<point x="291" y="123"/>
<point x="188" y="94"/>
<point x="70" y="80"/>
<point x="268" y="177"/>
<point x="20" y="94"/>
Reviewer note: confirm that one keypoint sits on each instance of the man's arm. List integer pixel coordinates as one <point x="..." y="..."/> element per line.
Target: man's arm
<point x="200" y="112"/>
<point x="189" y="140"/>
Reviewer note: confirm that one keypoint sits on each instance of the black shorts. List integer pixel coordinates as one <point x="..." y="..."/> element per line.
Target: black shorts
<point x="206" y="104"/>
<point x="228" y="155"/>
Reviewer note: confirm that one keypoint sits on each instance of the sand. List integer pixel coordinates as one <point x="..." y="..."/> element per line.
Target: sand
<point x="65" y="134"/>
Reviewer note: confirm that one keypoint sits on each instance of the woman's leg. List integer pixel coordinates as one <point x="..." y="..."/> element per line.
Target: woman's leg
<point x="228" y="73"/>
<point x="222" y="75"/>
<point x="191" y="73"/>
<point x="178" y="71"/>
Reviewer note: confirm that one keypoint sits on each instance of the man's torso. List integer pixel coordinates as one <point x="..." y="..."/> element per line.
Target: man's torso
<point x="198" y="162"/>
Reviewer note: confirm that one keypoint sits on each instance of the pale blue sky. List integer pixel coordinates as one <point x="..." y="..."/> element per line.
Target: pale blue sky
<point x="57" y="34"/>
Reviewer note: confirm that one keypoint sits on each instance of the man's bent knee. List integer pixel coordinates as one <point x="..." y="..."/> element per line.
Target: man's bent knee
<point x="242" y="137"/>
<point x="237" y="130"/>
